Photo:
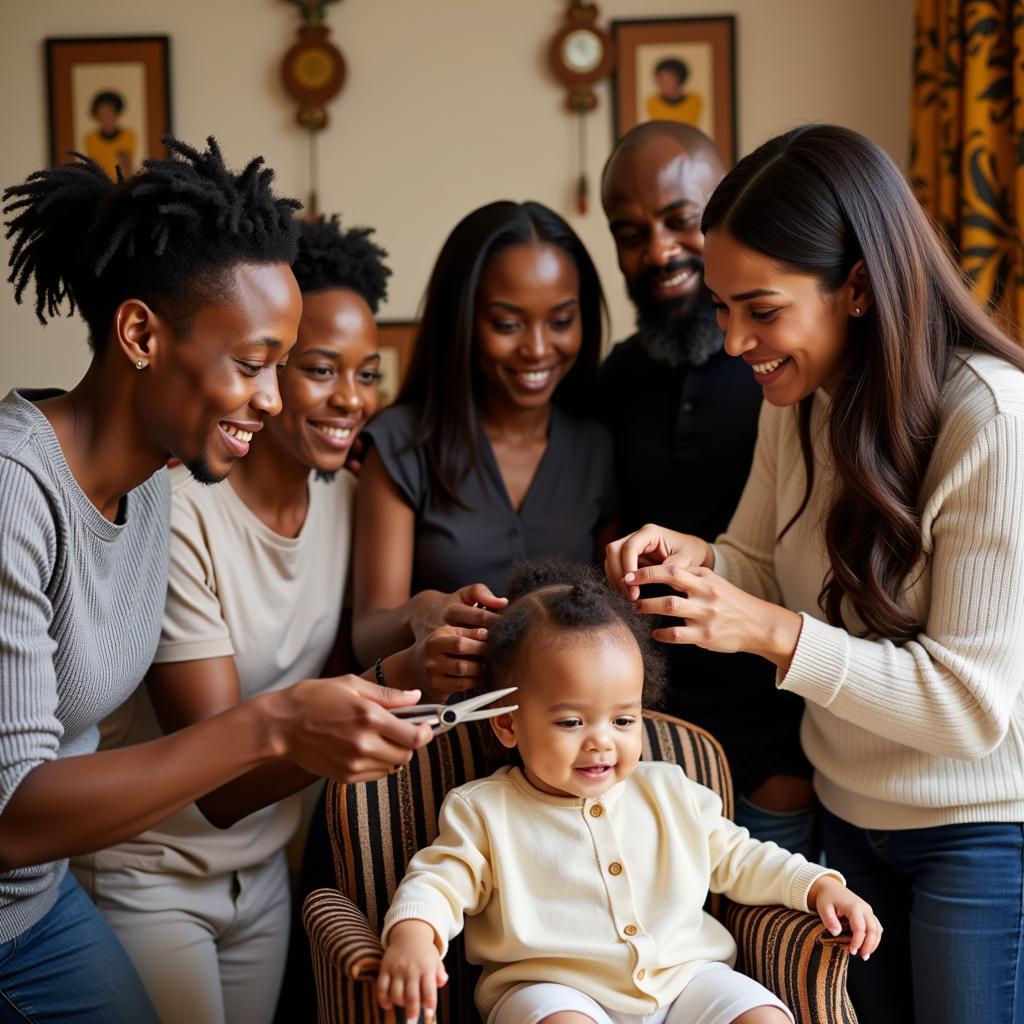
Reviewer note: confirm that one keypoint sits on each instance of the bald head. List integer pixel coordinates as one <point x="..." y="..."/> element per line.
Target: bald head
<point x="663" y="136"/>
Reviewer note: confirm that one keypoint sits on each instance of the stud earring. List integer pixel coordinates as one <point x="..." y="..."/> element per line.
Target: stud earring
<point x="140" y="365"/>
<point x="857" y="311"/>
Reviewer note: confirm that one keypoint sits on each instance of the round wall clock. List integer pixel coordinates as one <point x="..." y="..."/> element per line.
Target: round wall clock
<point x="580" y="53"/>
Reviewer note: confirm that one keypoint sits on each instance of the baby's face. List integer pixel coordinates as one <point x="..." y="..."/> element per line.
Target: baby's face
<point x="578" y="726"/>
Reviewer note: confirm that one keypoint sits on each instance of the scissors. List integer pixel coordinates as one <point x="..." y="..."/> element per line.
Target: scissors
<point x="442" y="717"/>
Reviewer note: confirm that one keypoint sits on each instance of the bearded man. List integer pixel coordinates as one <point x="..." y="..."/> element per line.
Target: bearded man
<point x="684" y="418"/>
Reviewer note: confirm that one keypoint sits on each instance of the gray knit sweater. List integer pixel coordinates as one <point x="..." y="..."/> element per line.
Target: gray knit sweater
<point x="81" y="600"/>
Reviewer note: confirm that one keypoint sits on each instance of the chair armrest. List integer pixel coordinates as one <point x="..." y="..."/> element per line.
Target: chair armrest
<point x="792" y="954"/>
<point x="340" y="935"/>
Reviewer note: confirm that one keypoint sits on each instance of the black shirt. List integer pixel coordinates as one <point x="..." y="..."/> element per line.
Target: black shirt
<point x="684" y="439"/>
<point x="571" y="496"/>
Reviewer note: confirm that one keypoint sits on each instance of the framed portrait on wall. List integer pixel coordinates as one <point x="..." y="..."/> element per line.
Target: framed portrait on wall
<point x="677" y="69"/>
<point x="396" y="341"/>
<point x="109" y="98"/>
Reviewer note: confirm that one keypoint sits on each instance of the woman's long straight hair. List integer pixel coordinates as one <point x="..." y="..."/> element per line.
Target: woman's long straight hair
<point x="442" y="382"/>
<point x="816" y="200"/>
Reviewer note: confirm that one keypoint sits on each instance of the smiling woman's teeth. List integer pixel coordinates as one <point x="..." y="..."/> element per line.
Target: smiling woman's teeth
<point x="242" y="435"/>
<point x="534" y="376"/>
<point x="341" y="433"/>
<point x="768" y="367"/>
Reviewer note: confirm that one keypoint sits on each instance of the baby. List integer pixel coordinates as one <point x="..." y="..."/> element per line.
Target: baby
<point x="582" y="875"/>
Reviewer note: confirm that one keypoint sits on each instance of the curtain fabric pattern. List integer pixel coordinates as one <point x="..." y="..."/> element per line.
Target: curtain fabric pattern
<point x="967" y="140"/>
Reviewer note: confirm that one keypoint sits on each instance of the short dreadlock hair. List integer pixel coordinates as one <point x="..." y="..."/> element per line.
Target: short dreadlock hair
<point x="167" y="235"/>
<point x="331" y="258"/>
<point x="555" y="595"/>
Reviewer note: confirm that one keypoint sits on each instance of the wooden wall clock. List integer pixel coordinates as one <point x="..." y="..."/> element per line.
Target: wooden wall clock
<point x="581" y="54"/>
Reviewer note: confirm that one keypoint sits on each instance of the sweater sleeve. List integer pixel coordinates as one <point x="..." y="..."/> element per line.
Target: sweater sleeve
<point x="747" y="870"/>
<point x="951" y="690"/>
<point x="744" y="554"/>
<point x="448" y="879"/>
<point x="30" y="732"/>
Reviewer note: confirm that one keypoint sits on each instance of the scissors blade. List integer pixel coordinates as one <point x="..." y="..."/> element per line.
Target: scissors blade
<point x="472" y="709"/>
<point x="476" y="716"/>
<point x="481" y="699"/>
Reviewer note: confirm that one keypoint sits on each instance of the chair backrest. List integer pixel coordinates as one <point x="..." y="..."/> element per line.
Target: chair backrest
<point x="376" y="827"/>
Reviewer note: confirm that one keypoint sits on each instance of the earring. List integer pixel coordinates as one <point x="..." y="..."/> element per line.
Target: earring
<point x="140" y="365"/>
<point x="857" y="311"/>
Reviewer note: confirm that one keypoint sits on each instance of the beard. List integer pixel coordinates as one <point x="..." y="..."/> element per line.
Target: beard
<point x="680" y="333"/>
<point x="202" y="473"/>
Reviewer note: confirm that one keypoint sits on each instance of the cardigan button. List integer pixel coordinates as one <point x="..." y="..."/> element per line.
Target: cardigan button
<point x="596" y="811"/>
<point x="631" y="930"/>
<point x="615" y="868"/>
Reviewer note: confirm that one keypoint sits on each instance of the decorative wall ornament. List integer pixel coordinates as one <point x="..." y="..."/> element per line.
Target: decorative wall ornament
<point x="581" y="54"/>
<point x="313" y="72"/>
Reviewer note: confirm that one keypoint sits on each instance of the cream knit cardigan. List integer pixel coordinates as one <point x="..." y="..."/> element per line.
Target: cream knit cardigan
<point x="929" y="731"/>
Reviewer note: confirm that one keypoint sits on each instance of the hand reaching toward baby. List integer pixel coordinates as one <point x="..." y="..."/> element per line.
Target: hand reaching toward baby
<point x="831" y="900"/>
<point x="411" y="971"/>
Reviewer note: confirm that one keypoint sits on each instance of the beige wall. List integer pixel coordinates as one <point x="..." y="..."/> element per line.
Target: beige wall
<point x="449" y="104"/>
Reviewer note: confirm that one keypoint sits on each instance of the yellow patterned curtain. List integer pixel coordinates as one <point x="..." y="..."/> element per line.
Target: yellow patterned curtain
<point x="967" y="140"/>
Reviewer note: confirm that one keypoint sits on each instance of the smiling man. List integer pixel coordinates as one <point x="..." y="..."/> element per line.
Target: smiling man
<point x="683" y="415"/>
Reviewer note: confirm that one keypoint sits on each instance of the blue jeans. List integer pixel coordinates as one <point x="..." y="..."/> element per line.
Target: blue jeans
<point x="69" y="968"/>
<point x="951" y="902"/>
<point x="796" y="831"/>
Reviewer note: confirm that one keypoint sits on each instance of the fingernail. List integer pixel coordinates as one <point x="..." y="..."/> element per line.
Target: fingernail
<point x="867" y="957"/>
<point x="835" y="931"/>
<point x="630" y="576"/>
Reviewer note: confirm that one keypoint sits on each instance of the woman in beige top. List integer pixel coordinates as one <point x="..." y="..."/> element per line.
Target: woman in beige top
<point x="876" y="557"/>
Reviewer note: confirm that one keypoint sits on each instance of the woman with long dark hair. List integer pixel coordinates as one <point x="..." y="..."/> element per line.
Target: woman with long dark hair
<point x="876" y="557"/>
<point x="487" y="457"/>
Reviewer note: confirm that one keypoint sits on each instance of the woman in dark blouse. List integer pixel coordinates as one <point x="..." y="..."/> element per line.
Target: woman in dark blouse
<point x="486" y="458"/>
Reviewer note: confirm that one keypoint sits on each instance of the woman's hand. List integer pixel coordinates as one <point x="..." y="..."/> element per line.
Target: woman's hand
<point x="342" y="728"/>
<point x="471" y="607"/>
<point x="831" y="900"/>
<point x="652" y="545"/>
<point x="411" y="971"/>
<point x="717" y="615"/>
<point x="450" y="660"/>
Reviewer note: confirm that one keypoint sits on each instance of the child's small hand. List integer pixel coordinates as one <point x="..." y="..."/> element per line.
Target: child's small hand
<point x="411" y="971"/>
<point x="832" y="900"/>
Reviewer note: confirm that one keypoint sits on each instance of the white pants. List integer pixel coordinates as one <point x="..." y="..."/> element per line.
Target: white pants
<point x="210" y="950"/>
<point x="716" y="995"/>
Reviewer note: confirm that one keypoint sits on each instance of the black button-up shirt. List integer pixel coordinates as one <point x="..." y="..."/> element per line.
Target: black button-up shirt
<point x="684" y="439"/>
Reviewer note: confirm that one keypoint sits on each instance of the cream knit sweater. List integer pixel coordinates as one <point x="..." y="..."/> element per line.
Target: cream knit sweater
<point x="604" y="895"/>
<point x="931" y="731"/>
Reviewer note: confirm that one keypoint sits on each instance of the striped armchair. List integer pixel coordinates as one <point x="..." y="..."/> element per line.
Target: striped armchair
<point x="376" y="827"/>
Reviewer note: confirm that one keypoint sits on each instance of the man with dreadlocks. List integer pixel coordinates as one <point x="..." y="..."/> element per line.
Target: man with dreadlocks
<point x="259" y="567"/>
<point x="182" y="276"/>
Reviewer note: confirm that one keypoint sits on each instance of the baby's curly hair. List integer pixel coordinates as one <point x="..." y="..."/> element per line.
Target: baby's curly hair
<point x="556" y="595"/>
